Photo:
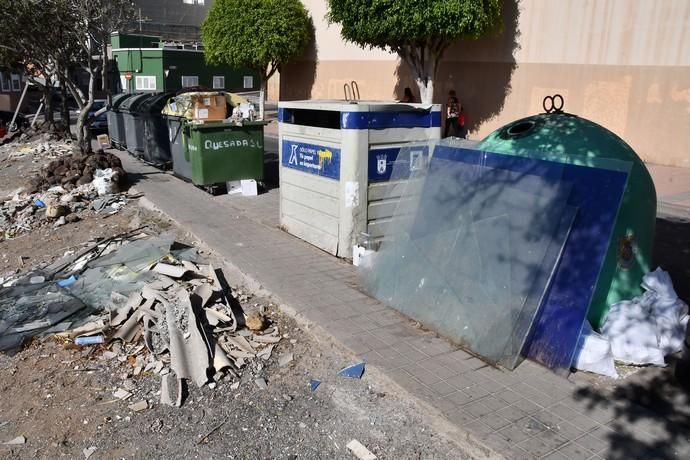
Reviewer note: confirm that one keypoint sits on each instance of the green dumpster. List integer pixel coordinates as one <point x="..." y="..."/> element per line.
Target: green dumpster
<point x="570" y="139"/>
<point x="221" y="152"/>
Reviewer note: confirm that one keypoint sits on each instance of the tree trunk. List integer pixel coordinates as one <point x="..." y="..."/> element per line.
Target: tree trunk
<point x="426" y="89"/>
<point x="64" y="110"/>
<point x="49" y="120"/>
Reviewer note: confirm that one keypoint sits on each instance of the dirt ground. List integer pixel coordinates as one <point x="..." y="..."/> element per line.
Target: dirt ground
<point x="60" y="396"/>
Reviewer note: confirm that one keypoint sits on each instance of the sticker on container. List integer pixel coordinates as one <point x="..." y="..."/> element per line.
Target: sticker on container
<point x="207" y="101"/>
<point x="311" y="158"/>
<point x="202" y="113"/>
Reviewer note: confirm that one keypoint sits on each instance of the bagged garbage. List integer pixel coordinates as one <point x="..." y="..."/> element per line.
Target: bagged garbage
<point x="104" y="183"/>
<point x="646" y="328"/>
<point x="593" y="353"/>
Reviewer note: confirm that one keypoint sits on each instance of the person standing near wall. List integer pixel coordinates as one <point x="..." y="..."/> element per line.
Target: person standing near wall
<point x="453" y="112"/>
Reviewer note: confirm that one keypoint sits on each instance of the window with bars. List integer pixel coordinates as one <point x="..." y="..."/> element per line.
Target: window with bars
<point x="189" y="81"/>
<point x="219" y="82"/>
<point x="145" y="83"/>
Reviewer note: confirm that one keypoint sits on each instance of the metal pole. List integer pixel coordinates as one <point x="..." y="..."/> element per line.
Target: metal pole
<point x="12" y="127"/>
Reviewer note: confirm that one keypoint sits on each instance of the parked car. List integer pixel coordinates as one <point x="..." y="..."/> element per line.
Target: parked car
<point x="100" y="123"/>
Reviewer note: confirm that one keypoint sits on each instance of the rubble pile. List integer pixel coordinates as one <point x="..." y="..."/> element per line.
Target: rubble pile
<point x="58" y="205"/>
<point x="154" y="305"/>
<point x="40" y="145"/>
<point x="71" y="171"/>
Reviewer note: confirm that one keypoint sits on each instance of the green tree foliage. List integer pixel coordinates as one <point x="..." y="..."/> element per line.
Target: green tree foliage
<point x="419" y="31"/>
<point x="257" y="34"/>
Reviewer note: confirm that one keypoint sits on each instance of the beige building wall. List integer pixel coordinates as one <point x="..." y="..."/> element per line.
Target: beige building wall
<point x="622" y="63"/>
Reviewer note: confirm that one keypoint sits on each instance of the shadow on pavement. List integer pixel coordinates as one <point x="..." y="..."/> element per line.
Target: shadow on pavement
<point x="651" y="409"/>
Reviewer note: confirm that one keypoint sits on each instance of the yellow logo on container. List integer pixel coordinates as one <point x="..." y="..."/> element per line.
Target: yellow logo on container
<point x="324" y="156"/>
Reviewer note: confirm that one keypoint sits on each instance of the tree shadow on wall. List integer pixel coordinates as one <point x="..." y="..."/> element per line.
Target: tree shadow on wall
<point x="480" y="71"/>
<point x="297" y="77"/>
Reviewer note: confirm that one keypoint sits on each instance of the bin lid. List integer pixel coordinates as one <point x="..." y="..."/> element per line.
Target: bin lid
<point x="133" y="103"/>
<point x="154" y="104"/>
<point x="119" y="99"/>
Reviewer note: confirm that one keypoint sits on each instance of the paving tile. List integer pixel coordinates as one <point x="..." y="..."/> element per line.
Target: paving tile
<point x="494" y="403"/>
<point x="579" y="420"/>
<point x="508" y="396"/>
<point x="476" y="391"/>
<point x="477" y="408"/>
<point x="513" y="433"/>
<point x="557" y="455"/>
<point x="422" y="374"/>
<point x="528" y="407"/>
<point x="410" y="352"/>
<point x="592" y="444"/>
<point x="494" y="420"/>
<point x="442" y="388"/>
<point x="393" y="358"/>
<point x="530" y="426"/>
<point x="542" y="444"/>
<point x="512" y="413"/>
<point x="461" y="382"/>
<point x="574" y="451"/>
<point x="478" y="429"/>
<point x="459" y="398"/>
<point x="459" y="415"/>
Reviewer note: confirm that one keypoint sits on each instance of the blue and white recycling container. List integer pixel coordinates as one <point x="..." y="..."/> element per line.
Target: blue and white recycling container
<point x="336" y="159"/>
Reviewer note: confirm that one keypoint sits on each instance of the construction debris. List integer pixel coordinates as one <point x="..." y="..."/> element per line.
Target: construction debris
<point x="16" y="441"/>
<point x="158" y="307"/>
<point x="359" y="451"/>
<point x="355" y="371"/>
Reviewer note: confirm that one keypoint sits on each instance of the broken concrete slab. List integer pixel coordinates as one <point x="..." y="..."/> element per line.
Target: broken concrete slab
<point x="139" y="406"/>
<point x="16" y="441"/>
<point x="359" y="451"/>
<point x="285" y="359"/>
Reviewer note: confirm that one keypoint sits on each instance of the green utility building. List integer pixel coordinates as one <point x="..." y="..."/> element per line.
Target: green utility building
<point x="146" y="63"/>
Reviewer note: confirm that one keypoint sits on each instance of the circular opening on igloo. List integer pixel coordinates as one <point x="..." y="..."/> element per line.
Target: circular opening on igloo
<point x="521" y="128"/>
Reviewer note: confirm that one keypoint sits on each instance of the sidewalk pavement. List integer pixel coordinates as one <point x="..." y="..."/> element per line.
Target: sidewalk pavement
<point x="526" y="413"/>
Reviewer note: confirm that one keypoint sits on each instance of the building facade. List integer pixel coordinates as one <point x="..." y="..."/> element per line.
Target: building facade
<point x="624" y="64"/>
<point x="143" y="63"/>
<point x="11" y="87"/>
<point x="171" y="19"/>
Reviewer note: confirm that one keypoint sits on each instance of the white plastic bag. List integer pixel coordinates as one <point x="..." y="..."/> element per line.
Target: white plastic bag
<point x="103" y="181"/>
<point x="631" y="329"/>
<point x="593" y="353"/>
<point x="669" y="312"/>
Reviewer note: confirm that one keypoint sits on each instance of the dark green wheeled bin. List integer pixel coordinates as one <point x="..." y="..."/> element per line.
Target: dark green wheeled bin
<point x="116" y="122"/>
<point x="134" y="123"/>
<point x="182" y="167"/>
<point x="156" y="143"/>
<point x="222" y="152"/>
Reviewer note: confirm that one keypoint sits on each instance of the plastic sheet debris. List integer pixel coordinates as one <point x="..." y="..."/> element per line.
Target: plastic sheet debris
<point x="67" y="281"/>
<point x="314" y="384"/>
<point x="355" y="371"/>
<point x="89" y="340"/>
<point x="646" y="328"/>
<point x="594" y="354"/>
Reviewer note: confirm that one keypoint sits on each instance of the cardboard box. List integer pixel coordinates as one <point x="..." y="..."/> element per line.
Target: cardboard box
<point x="209" y="107"/>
